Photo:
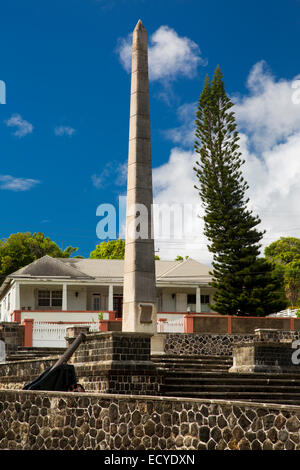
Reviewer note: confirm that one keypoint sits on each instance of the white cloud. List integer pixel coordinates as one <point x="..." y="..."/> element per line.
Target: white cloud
<point x="267" y="114"/>
<point x="184" y="135"/>
<point x="269" y="124"/>
<point x="121" y="172"/>
<point x="23" y="127"/>
<point x="111" y="171"/>
<point x="274" y="192"/>
<point x="12" y="183"/>
<point x="100" y="180"/>
<point x="170" y="55"/>
<point x="173" y="185"/>
<point x="64" y="130"/>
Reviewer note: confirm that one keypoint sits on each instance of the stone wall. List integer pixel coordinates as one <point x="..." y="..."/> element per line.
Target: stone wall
<point x="12" y="334"/>
<point x="212" y="344"/>
<point x="117" y="362"/>
<point x="106" y="362"/>
<point x="15" y="374"/>
<point x="66" y="421"/>
<point x="268" y="352"/>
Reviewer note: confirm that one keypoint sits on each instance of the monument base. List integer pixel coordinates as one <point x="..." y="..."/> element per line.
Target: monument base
<point x="158" y="343"/>
<point x="266" y="354"/>
<point x="117" y="362"/>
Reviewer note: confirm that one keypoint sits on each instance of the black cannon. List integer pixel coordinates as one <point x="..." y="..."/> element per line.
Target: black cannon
<point x="60" y="377"/>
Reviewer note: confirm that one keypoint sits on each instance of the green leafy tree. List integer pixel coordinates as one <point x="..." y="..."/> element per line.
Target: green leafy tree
<point x="283" y="251"/>
<point x="292" y="281"/>
<point x="244" y="283"/>
<point x="285" y="256"/>
<point x="21" y="249"/>
<point x="111" y="249"/>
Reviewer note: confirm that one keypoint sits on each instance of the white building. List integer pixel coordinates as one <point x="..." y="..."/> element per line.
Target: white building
<point x="77" y="290"/>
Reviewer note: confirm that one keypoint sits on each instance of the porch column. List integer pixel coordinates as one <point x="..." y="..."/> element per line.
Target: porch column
<point x="64" y="297"/>
<point x="110" y="297"/>
<point x="198" y="300"/>
<point x="17" y="296"/>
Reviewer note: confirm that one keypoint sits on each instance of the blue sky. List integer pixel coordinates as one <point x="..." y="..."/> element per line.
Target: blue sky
<point x="64" y="127"/>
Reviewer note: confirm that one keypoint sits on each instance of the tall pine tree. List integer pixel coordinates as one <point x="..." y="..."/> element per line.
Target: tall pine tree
<point x="244" y="283"/>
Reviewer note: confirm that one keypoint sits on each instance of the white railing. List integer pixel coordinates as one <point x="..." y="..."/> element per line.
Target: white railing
<point x="171" y="326"/>
<point x="53" y="334"/>
<point x="290" y="313"/>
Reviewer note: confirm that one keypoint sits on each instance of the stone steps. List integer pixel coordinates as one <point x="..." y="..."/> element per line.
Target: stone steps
<point x="235" y="388"/>
<point x="192" y="369"/>
<point x="22" y="354"/>
<point x="208" y="377"/>
<point x="224" y="379"/>
<point x="264" y="397"/>
<point x="190" y="358"/>
<point x="170" y="363"/>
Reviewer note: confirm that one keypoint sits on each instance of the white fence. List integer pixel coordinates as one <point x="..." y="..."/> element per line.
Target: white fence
<point x="290" y="313"/>
<point x="171" y="326"/>
<point x="53" y="334"/>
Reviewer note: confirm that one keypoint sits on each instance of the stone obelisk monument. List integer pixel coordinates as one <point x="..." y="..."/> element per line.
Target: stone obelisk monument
<point x="121" y="360"/>
<point x="139" y="291"/>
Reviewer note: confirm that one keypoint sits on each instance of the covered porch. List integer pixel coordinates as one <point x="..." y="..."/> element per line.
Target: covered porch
<point x="61" y="301"/>
<point x="69" y="301"/>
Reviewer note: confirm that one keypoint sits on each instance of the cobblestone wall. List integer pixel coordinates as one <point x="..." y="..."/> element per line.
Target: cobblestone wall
<point x="212" y="344"/>
<point x="15" y="374"/>
<point x="40" y="420"/>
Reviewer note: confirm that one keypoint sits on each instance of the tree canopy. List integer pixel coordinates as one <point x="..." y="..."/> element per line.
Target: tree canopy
<point x="284" y="251"/>
<point x="111" y="249"/>
<point x="20" y="249"/>
<point x="285" y="256"/>
<point x="244" y="283"/>
<point x="181" y="258"/>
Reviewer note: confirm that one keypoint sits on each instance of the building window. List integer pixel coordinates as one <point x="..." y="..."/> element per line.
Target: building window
<point x="191" y="299"/>
<point x="56" y="298"/>
<point x="96" y="301"/>
<point x="205" y="299"/>
<point x="118" y="305"/>
<point x="48" y="298"/>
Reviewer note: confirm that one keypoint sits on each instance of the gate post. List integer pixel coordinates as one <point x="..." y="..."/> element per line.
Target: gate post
<point x="28" y="323"/>
<point x="188" y="324"/>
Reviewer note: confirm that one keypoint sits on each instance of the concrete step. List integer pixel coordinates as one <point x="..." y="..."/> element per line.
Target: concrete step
<point x="229" y="380"/>
<point x="232" y="388"/>
<point x="193" y="373"/>
<point x="191" y="360"/>
<point x="208" y="377"/>
<point x="186" y="364"/>
<point x="23" y="353"/>
<point x="188" y="356"/>
<point x="203" y="367"/>
<point x="28" y="357"/>
<point x="37" y="348"/>
<point x="261" y="397"/>
<point x="192" y="364"/>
